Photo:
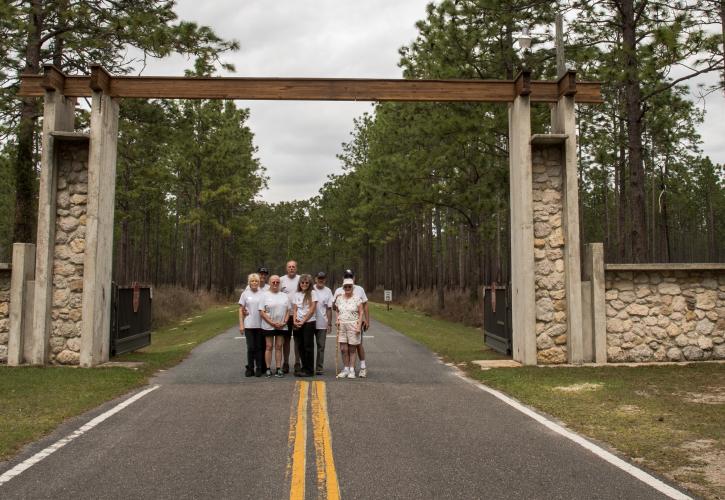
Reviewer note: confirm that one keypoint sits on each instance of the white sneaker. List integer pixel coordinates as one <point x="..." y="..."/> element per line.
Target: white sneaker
<point x="351" y="374"/>
<point x="363" y="373"/>
<point x="343" y="374"/>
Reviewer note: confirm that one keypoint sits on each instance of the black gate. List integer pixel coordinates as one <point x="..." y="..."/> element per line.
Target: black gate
<point x="497" y="318"/>
<point x="130" y="318"/>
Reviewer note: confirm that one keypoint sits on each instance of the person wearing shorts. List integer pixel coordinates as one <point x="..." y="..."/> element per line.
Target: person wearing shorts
<point x="360" y="293"/>
<point x="349" y="326"/>
<point x="274" y="311"/>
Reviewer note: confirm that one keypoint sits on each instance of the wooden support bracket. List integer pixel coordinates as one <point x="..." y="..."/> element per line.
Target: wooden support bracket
<point x="566" y="85"/>
<point x="522" y="82"/>
<point x="53" y="78"/>
<point x="100" y="79"/>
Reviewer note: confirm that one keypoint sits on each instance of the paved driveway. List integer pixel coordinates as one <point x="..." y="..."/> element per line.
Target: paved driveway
<point x="412" y="429"/>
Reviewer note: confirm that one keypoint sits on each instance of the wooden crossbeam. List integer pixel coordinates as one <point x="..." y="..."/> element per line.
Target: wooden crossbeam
<point x="306" y="89"/>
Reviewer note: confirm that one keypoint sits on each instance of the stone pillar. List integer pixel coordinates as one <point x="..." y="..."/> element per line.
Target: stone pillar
<point x="99" y="236"/>
<point x="549" y="270"/>
<point x="565" y="123"/>
<point x="58" y="115"/>
<point x="21" y="302"/>
<point x="523" y="317"/>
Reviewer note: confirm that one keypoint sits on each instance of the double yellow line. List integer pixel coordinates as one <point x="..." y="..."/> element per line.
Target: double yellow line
<point x="327" y="485"/>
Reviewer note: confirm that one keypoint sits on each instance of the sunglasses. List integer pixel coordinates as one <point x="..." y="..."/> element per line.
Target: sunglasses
<point x="274" y="282"/>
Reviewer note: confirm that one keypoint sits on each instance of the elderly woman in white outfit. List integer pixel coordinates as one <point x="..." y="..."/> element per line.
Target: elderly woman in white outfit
<point x="349" y="326"/>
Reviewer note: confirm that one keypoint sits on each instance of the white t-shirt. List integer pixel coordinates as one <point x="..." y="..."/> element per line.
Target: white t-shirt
<point x="298" y="299"/>
<point x="275" y="305"/>
<point x="289" y="285"/>
<point x="347" y="308"/>
<point x="250" y="301"/>
<point x="357" y="290"/>
<point x="324" y="302"/>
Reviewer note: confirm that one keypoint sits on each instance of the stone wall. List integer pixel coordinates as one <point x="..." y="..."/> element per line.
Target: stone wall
<point x="551" y="326"/>
<point x="69" y="252"/>
<point x="4" y="311"/>
<point x="665" y="315"/>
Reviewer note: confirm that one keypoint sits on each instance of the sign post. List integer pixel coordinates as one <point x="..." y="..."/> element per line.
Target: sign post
<point x="388" y="297"/>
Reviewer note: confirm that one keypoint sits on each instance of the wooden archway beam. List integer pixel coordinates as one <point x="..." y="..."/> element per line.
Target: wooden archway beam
<point x="306" y="89"/>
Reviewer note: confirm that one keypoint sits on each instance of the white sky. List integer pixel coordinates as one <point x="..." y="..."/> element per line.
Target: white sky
<point x="298" y="140"/>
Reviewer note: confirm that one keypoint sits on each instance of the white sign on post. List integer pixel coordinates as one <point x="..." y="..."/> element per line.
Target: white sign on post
<point x="388" y="295"/>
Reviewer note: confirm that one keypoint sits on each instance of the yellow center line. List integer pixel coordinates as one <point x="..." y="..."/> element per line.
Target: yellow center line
<point x="327" y="484"/>
<point x="298" y="443"/>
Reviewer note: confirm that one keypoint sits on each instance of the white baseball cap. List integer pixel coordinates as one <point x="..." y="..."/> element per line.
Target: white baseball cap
<point x="348" y="281"/>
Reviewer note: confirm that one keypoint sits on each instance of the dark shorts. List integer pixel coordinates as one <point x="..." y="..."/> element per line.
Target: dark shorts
<point x="275" y="333"/>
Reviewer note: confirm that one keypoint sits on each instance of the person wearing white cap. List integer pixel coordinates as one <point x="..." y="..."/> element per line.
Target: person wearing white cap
<point x="349" y="326"/>
<point x="360" y="293"/>
<point x="323" y="319"/>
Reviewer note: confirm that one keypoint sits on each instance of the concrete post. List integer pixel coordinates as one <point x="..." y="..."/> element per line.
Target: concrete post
<point x="523" y="317"/>
<point x="57" y="116"/>
<point x="565" y="123"/>
<point x="95" y="329"/>
<point x="20" y="320"/>
<point x="598" y="304"/>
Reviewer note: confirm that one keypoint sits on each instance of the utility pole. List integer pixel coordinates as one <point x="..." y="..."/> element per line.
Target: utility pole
<point x="559" y="44"/>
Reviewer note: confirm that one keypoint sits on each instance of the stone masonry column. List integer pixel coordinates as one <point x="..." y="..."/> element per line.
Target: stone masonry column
<point x="99" y="237"/>
<point x="523" y="316"/>
<point x="58" y="115"/>
<point x="565" y="123"/>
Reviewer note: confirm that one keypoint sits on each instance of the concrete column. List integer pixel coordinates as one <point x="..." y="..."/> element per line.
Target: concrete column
<point x="58" y="115"/>
<point x="20" y="308"/>
<point x="523" y="316"/>
<point x="595" y="259"/>
<point x="565" y="123"/>
<point x="97" y="265"/>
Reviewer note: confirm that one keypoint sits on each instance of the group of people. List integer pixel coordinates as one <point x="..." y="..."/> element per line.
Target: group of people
<point x="273" y="310"/>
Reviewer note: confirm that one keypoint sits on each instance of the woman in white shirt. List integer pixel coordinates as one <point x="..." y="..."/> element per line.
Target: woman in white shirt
<point x="304" y="308"/>
<point x="349" y="324"/>
<point x="274" y="310"/>
<point x="250" y="326"/>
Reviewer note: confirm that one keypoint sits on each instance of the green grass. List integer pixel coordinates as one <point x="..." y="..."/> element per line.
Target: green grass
<point x="35" y="400"/>
<point x="654" y="414"/>
<point x="452" y="341"/>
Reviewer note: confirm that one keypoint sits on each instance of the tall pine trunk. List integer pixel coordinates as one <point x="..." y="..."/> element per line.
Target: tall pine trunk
<point x="634" y="132"/>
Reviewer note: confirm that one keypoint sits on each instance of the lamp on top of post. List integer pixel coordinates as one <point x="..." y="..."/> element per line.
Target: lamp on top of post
<point x="524" y="41"/>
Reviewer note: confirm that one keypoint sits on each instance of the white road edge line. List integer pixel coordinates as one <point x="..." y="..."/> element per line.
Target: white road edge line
<point x="28" y="463"/>
<point x="584" y="443"/>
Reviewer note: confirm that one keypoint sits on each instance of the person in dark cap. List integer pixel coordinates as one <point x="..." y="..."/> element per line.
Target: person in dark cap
<point x="263" y="273"/>
<point x="323" y="319"/>
<point x="359" y="292"/>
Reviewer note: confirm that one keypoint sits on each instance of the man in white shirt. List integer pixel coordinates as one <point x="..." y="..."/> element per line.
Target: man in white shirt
<point x="323" y="319"/>
<point x="288" y="284"/>
<point x="359" y="292"/>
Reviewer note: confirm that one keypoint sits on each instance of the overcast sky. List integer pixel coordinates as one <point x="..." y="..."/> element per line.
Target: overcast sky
<point x="298" y="140"/>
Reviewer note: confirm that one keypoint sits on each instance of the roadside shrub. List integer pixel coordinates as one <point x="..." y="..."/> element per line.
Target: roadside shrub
<point x="172" y="303"/>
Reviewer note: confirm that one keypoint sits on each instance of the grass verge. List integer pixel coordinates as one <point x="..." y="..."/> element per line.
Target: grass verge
<point x="668" y="418"/>
<point x="35" y="400"/>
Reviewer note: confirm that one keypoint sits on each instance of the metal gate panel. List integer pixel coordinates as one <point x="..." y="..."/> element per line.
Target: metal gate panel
<point x="497" y="318"/>
<point x="130" y="318"/>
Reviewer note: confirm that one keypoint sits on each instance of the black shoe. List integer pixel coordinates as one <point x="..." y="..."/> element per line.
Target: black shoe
<point x="285" y="367"/>
<point x="279" y="374"/>
<point x="320" y="372"/>
<point x="258" y="372"/>
<point x="305" y="374"/>
<point x="248" y="372"/>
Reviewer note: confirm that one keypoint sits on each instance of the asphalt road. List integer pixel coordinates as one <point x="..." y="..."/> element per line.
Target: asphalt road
<point x="412" y="429"/>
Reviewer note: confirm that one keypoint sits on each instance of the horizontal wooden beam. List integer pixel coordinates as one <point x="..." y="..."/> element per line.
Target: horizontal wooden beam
<point x="311" y="89"/>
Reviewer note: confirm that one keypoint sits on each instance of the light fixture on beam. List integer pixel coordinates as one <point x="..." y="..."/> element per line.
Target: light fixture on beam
<point x="524" y="39"/>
